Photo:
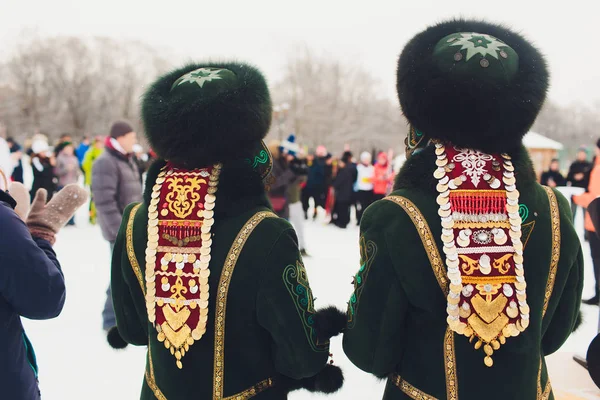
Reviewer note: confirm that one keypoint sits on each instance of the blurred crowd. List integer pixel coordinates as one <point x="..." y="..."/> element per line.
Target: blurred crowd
<point x="52" y="166"/>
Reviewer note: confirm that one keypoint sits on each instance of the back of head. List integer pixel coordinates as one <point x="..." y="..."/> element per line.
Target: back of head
<point x="204" y="113"/>
<point x="475" y="84"/>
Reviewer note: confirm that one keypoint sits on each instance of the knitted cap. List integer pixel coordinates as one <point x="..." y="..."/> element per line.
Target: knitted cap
<point x="120" y="128"/>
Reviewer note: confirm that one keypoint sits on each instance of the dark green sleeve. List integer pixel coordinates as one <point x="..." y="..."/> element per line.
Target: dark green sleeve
<point x="378" y="306"/>
<point x="285" y="308"/>
<point x="563" y="319"/>
<point x="125" y="287"/>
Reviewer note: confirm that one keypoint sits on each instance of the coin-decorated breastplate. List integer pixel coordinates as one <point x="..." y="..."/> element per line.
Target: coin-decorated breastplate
<point x="178" y="254"/>
<point x="481" y="231"/>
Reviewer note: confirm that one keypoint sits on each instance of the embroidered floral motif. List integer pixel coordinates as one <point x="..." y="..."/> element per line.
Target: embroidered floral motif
<point x="296" y="282"/>
<point x="368" y="250"/>
<point x="473" y="163"/>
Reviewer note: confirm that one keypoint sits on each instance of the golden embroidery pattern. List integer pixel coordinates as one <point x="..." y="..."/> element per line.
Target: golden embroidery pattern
<point x="409" y="389"/>
<point x="221" y="306"/>
<point x="181" y="189"/>
<point x="426" y="237"/>
<point x="150" y="379"/>
<point x="253" y="391"/>
<point x="450" y="365"/>
<point x="131" y="251"/>
<point x="554" y="214"/>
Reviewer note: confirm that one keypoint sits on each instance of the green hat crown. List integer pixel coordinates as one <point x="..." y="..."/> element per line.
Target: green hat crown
<point x="471" y="54"/>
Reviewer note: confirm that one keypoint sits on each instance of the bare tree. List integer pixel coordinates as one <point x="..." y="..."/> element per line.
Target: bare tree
<point x="336" y="104"/>
<point x="75" y="85"/>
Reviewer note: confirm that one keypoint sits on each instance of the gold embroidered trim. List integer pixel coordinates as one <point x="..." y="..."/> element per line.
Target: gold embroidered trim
<point x="426" y="237"/>
<point x="545" y="395"/>
<point x="450" y="365"/>
<point x="409" y="389"/>
<point x="150" y="380"/>
<point x="130" y="249"/>
<point x="554" y="214"/>
<point x="253" y="391"/>
<point x="221" y="303"/>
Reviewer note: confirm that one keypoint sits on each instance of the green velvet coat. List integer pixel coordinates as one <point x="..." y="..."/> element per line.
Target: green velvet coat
<point x="397" y="314"/>
<point x="268" y="334"/>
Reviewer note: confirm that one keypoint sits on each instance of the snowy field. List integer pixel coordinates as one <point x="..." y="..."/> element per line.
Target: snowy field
<point x="76" y="362"/>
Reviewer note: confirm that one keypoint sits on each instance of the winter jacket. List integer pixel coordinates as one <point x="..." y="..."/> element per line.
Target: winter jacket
<point x="80" y="152"/>
<point x="593" y="192"/>
<point x="115" y="185"/>
<point x="17" y="174"/>
<point x="382" y="178"/>
<point x="300" y="169"/>
<point x="31" y="286"/>
<point x="579" y="167"/>
<point x="555" y="176"/>
<point x="364" y="181"/>
<point x="344" y="183"/>
<point x="67" y="169"/>
<point x="397" y="315"/>
<point x="259" y="335"/>
<point x="88" y="162"/>
<point x="283" y="177"/>
<point x="319" y="174"/>
<point x="43" y="176"/>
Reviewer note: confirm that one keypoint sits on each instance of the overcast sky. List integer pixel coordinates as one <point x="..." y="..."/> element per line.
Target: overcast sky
<point x="369" y="33"/>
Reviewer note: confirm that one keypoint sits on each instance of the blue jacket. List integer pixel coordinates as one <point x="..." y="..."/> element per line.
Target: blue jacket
<point x="31" y="286"/>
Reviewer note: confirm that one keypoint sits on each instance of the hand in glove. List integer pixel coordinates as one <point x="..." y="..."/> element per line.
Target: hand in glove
<point x="45" y="220"/>
<point x="18" y="192"/>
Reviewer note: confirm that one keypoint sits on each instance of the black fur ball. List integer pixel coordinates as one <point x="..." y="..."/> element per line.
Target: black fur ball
<point x="198" y="128"/>
<point x="485" y="114"/>
<point x="114" y="339"/>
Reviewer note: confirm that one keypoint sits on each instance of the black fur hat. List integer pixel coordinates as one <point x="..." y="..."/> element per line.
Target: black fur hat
<point x="451" y="89"/>
<point x="206" y="113"/>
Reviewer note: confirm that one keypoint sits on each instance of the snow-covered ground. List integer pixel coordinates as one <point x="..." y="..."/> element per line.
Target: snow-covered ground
<point x="75" y="360"/>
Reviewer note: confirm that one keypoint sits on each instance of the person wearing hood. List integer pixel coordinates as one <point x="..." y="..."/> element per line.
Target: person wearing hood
<point x="204" y="273"/>
<point x="115" y="184"/>
<point x="471" y="272"/>
<point x="383" y="176"/>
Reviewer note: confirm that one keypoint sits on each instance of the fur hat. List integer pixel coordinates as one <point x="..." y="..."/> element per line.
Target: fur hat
<point x="206" y="113"/>
<point x="476" y="84"/>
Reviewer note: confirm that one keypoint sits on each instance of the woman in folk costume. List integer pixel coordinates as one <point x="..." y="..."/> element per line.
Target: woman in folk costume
<point x="203" y="272"/>
<point x="471" y="271"/>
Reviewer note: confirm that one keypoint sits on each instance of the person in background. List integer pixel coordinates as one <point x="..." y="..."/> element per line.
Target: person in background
<point x="115" y="184"/>
<point x="318" y="181"/>
<point x="67" y="169"/>
<point x="6" y="163"/>
<point x="64" y="138"/>
<point x="383" y="176"/>
<point x="583" y="200"/>
<point x="579" y="174"/>
<point x="343" y="184"/>
<point x="364" y="184"/>
<point x="553" y="177"/>
<point x="283" y="177"/>
<point x="94" y="152"/>
<point x="83" y="147"/>
<point x="299" y="167"/>
<point x="16" y="154"/>
<point x="42" y="163"/>
<point x="31" y="280"/>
